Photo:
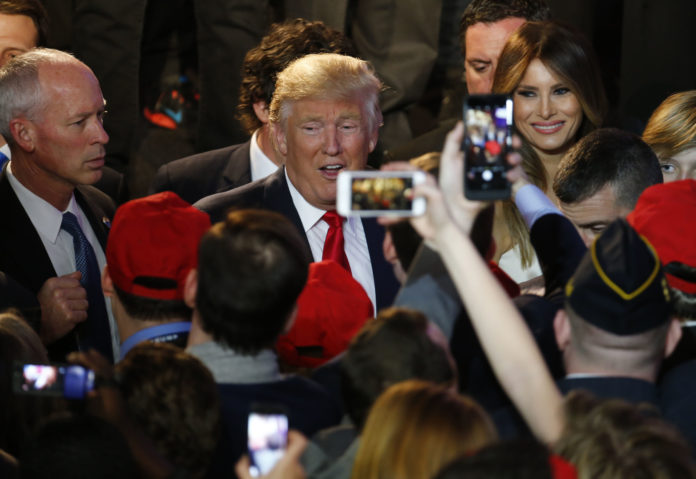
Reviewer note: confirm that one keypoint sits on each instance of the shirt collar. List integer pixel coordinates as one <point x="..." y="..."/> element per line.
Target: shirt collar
<point x="227" y="366"/>
<point x="152" y="333"/>
<point x="45" y="217"/>
<point x="309" y="214"/>
<point x="261" y="165"/>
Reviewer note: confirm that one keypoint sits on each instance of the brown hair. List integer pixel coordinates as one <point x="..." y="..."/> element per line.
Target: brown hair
<point x="33" y="9"/>
<point x="415" y="428"/>
<point x="174" y="399"/>
<point x="283" y="43"/>
<point x="612" y="439"/>
<point x="568" y="54"/>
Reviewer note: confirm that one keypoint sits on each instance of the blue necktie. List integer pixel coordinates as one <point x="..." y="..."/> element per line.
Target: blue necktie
<point x="94" y="332"/>
<point x="3" y="159"/>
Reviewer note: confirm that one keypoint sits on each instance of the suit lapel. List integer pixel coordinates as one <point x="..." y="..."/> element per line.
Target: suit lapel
<point x="237" y="171"/>
<point x="22" y="254"/>
<point x="99" y="220"/>
<point x="276" y="197"/>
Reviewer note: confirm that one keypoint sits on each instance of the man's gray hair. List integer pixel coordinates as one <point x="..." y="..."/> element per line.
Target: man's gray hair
<point x="20" y="90"/>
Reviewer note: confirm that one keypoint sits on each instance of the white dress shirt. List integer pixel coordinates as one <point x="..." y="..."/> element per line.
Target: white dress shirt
<point x="355" y="241"/>
<point x="261" y="166"/>
<point x="5" y="149"/>
<point x="58" y="243"/>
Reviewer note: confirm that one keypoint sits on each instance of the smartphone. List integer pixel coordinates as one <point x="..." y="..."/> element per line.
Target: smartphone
<point x="267" y="431"/>
<point x="379" y="193"/>
<point x="488" y="124"/>
<point x="67" y="380"/>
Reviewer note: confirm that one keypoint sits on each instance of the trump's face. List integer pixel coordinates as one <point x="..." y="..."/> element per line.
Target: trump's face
<point x="320" y="138"/>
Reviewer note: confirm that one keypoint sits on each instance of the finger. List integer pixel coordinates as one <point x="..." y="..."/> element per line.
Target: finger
<point x="297" y="443"/>
<point x="76" y="316"/>
<point x="242" y="467"/>
<point x="72" y="293"/>
<point x="389" y="220"/>
<point x="398" y="166"/>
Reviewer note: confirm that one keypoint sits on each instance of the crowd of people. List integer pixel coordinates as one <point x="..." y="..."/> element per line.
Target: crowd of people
<point x="549" y="335"/>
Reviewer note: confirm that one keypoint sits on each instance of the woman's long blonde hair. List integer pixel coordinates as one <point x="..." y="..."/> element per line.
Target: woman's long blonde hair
<point x="415" y="428"/>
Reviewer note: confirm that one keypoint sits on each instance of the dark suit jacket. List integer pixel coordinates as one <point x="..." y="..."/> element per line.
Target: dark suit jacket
<point x="273" y="194"/>
<point x="22" y="255"/>
<point x="205" y="174"/>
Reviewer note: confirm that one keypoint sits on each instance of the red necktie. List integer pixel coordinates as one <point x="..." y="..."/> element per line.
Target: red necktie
<point x="333" y="245"/>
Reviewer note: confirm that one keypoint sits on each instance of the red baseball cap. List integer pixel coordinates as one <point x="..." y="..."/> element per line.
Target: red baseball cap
<point x="330" y="310"/>
<point x="665" y="214"/>
<point x="153" y="244"/>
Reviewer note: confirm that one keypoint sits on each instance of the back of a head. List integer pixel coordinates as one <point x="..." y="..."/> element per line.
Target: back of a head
<point x="415" y="428"/>
<point x="283" y="43"/>
<point x="19" y="414"/>
<point x="511" y="459"/>
<point x="173" y="397"/>
<point x="613" y="439"/>
<point x="491" y="11"/>
<point x="671" y="128"/>
<point x="327" y="76"/>
<point x="33" y="9"/>
<point x="393" y="347"/>
<point x="618" y="303"/>
<point x="152" y="247"/>
<point x="566" y="52"/>
<point x="607" y="156"/>
<point x="78" y="447"/>
<point x="252" y="267"/>
<point x="664" y="215"/>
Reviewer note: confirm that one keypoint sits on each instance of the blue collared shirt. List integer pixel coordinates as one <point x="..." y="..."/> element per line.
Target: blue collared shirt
<point x="163" y="333"/>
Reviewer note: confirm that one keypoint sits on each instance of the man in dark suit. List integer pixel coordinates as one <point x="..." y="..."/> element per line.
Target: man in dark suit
<point x="204" y="174"/>
<point x="54" y="226"/>
<point x="325" y="118"/>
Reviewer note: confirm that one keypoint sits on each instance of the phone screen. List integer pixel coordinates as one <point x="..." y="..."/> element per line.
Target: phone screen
<point x="69" y="381"/>
<point x="376" y="193"/>
<point x="487" y="140"/>
<point x="381" y="193"/>
<point x="268" y="437"/>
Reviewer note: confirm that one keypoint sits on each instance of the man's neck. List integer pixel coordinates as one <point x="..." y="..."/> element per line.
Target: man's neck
<point x="127" y="327"/>
<point x="575" y="367"/>
<point x="197" y="335"/>
<point x="264" y="141"/>
<point x="56" y="192"/>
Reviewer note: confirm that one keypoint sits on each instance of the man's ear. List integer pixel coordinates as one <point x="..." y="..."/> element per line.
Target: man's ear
<point x="23" y="133"/>
<point x="674" y="334"/>
<point x="107" y="283"/>
<point x="261" y="111"/>
<point x="280" y="138"/>
<point x="561" y="329"/>
<point x="191" y="288"/>
<point x="373" y="139"/>
<point x="291" y="319"/>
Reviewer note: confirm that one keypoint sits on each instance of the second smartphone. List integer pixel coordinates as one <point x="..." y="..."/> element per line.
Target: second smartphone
<point x="488" y="123"/>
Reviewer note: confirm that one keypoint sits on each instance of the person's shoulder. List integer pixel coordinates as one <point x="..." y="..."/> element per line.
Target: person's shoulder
<point x="251" y="195"/>
<point x="205" y="160"/>
<point x="96" y="199"/>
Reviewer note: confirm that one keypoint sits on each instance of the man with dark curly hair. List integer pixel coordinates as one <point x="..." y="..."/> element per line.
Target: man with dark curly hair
<point x="204" y="174"/>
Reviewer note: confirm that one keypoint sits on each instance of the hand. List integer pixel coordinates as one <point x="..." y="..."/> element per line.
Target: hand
<point x="287" y="467"/>
<point x="106" y="400"/>
<point x="63" y="303"/>
<point x="462" y="210"/>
